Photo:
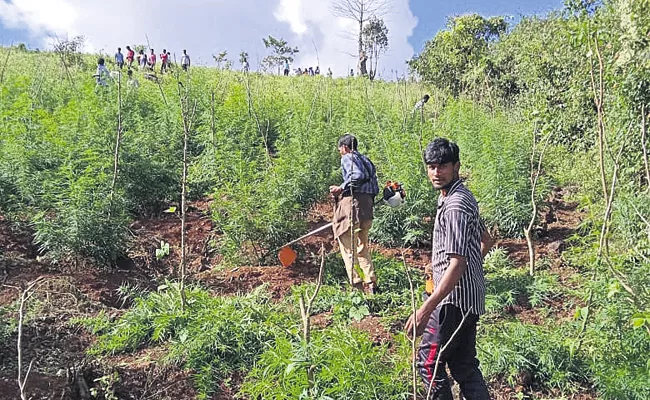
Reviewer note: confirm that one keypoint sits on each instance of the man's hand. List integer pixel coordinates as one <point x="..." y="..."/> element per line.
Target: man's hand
<point x="335" y="190"/>
<point x="421" y="318"/>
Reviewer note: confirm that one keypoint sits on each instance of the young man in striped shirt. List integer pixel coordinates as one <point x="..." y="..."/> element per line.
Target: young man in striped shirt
<point x="460" y="241"/>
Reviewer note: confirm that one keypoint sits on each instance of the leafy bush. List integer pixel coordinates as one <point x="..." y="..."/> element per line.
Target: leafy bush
<point x="90" y="225"/>
<point x="394" y="296"/>
<point x="346" y="364"/>
<point x="211" y="336"/>
<point x="543" y="288"/>
<point x="532" y="355"/>
<point x="505" y="283"/>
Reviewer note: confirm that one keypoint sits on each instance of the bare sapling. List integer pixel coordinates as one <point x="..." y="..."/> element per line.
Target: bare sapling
<point x="644" y="133"/>
<point x="420" y="135"/>
<point x="602" y="254"/>
<point x="251" y="112"/>
<point x="535" y="172"/>
<point x="26" y="294"/>
<point x="118" y="137"/>
<point x="187" y="117"/>
<point x="305" y="313"/>
<point x="213" y="127"/>
<point x="372" y="109"/>
<point x="59" y="49"/>
<point x="599" y="94"/>
<point x="4" y="66"/>
<point x="412" y="339"/>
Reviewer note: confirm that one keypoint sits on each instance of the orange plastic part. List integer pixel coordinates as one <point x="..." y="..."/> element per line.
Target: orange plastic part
<point x="429" y="286"/>
<point x="287" y="256"/>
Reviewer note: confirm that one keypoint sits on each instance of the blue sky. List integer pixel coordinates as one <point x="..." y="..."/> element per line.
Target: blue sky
<point x="206" y="27"/>
<point x="432" y="15"/>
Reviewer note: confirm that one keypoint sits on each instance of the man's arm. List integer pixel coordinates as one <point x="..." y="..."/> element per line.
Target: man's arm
<point x="487" y="241"/>
<point x="451" y="277"/>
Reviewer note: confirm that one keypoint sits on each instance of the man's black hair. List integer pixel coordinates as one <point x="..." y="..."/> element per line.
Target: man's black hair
<point x="441" y="151"/>
<point x="119" y="49"/>
<point x="425" y="98"/>
<point x="348" y="140"/>
<point x="100" y="61"/>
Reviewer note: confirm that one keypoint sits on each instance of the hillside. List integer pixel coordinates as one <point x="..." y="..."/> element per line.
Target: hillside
<point x="125" y="295"/>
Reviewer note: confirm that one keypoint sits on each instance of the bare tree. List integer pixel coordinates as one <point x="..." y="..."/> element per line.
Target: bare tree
<point x="360" y="11"/>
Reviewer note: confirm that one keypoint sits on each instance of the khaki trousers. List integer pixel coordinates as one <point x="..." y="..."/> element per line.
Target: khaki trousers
<point x="362" y="253"/>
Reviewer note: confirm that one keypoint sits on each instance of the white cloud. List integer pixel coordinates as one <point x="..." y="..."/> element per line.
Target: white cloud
<point x="314" y="25"/>
<point x="206" y="27"/>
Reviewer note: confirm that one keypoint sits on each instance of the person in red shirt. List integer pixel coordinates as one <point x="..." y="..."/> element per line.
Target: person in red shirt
<point x="152" y="60"/>
<point x="130" y="54"/>
<point x="164" y="61"/>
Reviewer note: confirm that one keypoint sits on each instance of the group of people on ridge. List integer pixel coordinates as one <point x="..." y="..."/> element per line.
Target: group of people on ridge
<point x="148" y="61"/>
<point x="143" y="61"/>
<point x="455" y="294"/>
<point x="307" y="71"/>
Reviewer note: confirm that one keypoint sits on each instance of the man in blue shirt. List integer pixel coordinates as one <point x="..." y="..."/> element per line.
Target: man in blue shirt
<point x="353" y="213"/>
<point x="119" y="58"/>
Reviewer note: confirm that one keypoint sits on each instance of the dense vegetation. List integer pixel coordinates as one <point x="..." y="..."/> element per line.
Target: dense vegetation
<point x="574" y="83"/>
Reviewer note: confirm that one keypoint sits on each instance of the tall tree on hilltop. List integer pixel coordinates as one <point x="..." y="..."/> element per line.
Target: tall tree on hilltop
<point x="282" y="52"/>
<point x="360" y="11"/>
<point x="375" y="41"/>
<point x="455" y="52"/>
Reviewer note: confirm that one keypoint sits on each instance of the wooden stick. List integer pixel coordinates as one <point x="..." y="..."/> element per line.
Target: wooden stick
<point x="412" y="339"/>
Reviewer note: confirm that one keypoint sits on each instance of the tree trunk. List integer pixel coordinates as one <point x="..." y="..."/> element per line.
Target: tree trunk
<point x="361" y="30"/>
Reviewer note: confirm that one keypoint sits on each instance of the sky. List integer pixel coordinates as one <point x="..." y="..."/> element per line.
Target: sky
<point x="208" y="27"/>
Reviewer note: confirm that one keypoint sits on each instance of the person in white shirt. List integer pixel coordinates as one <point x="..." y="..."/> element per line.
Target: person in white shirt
<point x="103" y="74"/>
<point x="420" y="103"/>
<point x="185" y="61"/>
<point x="143" y="60"/>
<point x="132" y="82"/>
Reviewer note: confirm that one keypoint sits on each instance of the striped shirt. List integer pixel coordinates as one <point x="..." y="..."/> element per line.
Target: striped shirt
<point x="362" y="176"/>
<point x="458" y="230"/>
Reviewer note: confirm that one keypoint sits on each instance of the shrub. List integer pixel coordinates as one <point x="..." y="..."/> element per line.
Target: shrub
<point x="346" y="364"/>
<point x="211" y="336"/>
<point x="532" y="355"/>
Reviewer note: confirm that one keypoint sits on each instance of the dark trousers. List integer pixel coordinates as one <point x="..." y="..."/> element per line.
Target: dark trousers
<point x="460" y="355"/>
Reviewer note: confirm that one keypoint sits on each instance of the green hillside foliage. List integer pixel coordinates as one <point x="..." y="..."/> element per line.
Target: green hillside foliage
<point x="574" y="84"/>
<point x="263" y="147"/>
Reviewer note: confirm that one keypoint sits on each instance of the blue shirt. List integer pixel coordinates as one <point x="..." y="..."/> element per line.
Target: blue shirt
<point x="119" y="57"/>
<point x="362" y="170"/>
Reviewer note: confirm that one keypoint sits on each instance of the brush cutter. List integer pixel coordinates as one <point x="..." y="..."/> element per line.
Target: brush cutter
<point x="287" y="255"/>
<point x="393" y="195"/>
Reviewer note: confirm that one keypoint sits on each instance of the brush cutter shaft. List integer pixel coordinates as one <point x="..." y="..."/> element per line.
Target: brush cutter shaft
<point x="315" y="231"/>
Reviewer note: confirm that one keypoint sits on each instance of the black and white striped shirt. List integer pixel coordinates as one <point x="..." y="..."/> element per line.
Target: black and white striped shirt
<point x="458" y="230"/>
